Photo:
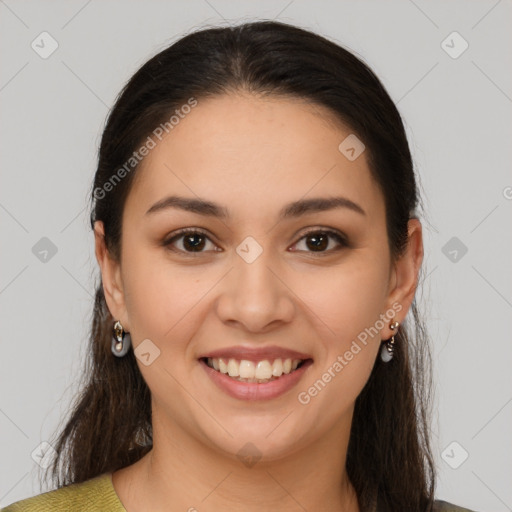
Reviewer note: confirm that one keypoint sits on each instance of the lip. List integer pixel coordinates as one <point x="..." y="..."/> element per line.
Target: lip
<point x="252" y="390"/>
<point x="256" y="354"/>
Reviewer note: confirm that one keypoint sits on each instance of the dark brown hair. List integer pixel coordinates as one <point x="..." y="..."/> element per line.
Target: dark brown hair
<point x="389" y="456"/>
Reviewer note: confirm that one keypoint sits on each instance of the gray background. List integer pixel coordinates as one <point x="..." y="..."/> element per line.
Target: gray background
<point x="458" y="117"/>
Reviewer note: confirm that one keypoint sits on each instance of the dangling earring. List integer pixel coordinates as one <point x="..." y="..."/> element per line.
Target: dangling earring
<point x="388" y="347"/>
<point x="121" y="340"/>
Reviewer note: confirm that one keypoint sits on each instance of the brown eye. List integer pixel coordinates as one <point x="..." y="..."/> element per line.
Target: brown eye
<point x="194" y="241"/>
<point x="319" y="241"/>
<point x="191" y="241"/>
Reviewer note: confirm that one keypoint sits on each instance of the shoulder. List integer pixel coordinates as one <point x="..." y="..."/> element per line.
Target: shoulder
<point x="444" y="506"/>
<point x="94" y="495"/>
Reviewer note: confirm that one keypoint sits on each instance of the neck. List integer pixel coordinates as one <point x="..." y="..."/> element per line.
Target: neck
<point x="296" y="483"/>
<point x="181" y="473"/>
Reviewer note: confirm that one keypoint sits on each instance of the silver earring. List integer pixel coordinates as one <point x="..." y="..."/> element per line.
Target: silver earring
<point x="388" y="347"/>
<point x="121" y="340"/>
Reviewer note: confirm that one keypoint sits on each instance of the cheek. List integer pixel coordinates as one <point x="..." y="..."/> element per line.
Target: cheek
<point x="347" y="302"/>
<point x="159" y="299"/>
<point x="347" y="298"/>
<point x="349" y="347"/>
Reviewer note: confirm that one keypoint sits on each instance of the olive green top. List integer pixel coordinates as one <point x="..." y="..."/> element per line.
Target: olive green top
<point x="94" y="495"/>
<point x="98" y="494"/>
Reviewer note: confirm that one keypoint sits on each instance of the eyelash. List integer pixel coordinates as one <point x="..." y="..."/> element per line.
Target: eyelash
<point x="329" y="232"/>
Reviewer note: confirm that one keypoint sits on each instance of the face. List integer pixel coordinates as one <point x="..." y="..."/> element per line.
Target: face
<point x="254" y="283"/>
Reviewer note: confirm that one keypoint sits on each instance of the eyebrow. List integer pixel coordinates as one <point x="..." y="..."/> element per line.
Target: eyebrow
<point x="294" y="209"/>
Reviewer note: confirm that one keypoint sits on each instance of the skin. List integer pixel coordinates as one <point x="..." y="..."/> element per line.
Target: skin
<point x="252" y="155"/>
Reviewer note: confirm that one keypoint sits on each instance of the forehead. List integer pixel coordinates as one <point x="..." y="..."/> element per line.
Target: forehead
<point x="249" y="153"/>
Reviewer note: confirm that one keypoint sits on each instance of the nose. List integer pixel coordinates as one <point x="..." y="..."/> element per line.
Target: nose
<point x="255" y="296"/>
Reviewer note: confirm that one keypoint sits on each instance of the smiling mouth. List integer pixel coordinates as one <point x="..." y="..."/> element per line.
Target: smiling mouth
<point x="259" y="372"/>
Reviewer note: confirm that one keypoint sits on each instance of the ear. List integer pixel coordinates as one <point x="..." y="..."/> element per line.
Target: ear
<point x="404" y="274"/>
<point x="111" y="278"/>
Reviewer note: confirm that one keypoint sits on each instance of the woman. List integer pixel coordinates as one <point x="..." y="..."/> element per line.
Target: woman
<point x="255" y="342"/>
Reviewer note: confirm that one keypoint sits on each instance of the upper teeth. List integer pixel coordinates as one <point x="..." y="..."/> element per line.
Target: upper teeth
<point x="250" y="370"/>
